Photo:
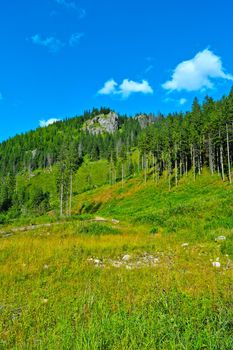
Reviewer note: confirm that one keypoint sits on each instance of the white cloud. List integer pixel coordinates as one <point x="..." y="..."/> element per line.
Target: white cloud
<point x="109" y="88"/>
<point x="183" y="101"/>
<point x="44" y="123"/>
<point x="126" y="88"/>
<point x="197" y="73"/>
<point x="129" y="87"/>
<point x="75" y="39"/>
<point x="53" y="44"/>
<point x="72" y="5"/>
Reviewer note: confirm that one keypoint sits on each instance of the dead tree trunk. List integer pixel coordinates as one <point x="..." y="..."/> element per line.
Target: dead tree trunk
<point x="71" y="193"/>
<point x="228" y="154"/>
<point x="61" y="197"/>
<point x="211" y="156"/>
<point x="122" y="174"/>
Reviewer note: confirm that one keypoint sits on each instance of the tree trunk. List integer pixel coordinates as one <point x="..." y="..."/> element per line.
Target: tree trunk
<point x="193" y="161"/>
<point x="217" y="155"/>
<point x="169" y="172"/>
<point x="186" y="166"/>
<point x="71" y="193"/>
<point x="211" y="156"/>
<point x="176" y="171"/>
<point x="145" y="172"/>
<point x="221" y="160"/>
<point x="122" y="174"/>
<point x="200" y="160"/>
<point x="138" y="162"/>
<point x="180" y="166"/>
<point x="153" y="167"/>
<point x="169" y="176"/>
<point x="228" y="154"/>
<point x="61" y="197"/>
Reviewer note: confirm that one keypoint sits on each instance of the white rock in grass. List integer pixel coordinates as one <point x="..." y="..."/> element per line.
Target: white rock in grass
<point x="220" y="238"/>
<point x="126" y="257"/>
<point x="184" y="245"/>
<point x="97" y="261"/>
<point x="216" y="264"/>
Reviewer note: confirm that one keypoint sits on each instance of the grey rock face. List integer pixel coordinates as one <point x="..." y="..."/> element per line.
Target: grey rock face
<point x="102" y="123"/>
<point x="145" y="120"/>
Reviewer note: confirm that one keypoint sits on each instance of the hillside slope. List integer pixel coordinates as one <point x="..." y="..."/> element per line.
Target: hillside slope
<point x="157" y="276"/>
<point x="192" y="211"/>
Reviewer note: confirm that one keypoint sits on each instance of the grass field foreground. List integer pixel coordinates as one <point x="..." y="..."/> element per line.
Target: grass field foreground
<point x="91" y="285"/>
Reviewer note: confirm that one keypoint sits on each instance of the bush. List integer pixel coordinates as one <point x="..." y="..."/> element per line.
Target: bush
<point x="151" y="218"/>
<point x="97" y="229"/>
<point x="154" y="230"/>
<point x="2" y="218"/>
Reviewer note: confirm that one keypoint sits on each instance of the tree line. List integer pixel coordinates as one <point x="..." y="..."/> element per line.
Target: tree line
<point x="174" y="144"/>
<point x="201" y="137"/>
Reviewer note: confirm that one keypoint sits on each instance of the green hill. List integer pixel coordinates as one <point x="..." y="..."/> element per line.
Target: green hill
<point x="136" y="266"/>
<point x="102" y="147"/>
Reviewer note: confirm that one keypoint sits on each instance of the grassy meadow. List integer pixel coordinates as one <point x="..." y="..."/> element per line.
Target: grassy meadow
<point x="90" y="284"/>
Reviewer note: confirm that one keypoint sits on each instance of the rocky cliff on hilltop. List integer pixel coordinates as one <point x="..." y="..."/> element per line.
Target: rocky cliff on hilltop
<point x="145" y="120"/>
<point x="108" y="123"/>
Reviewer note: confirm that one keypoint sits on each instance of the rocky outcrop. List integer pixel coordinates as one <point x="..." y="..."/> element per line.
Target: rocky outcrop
<point x="102" y="123"/>
<point x="145" y="120"/>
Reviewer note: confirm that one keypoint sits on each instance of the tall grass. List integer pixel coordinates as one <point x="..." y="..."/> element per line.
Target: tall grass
<point x="53" y="297"/>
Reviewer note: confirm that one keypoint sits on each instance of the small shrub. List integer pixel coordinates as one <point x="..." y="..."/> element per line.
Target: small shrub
<point x="97" y="229"/>
<point x="154" y="230"/>
<point x="150" y="218"/>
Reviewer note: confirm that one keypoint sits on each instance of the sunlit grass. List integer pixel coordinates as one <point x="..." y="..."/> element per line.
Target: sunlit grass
<point x="53" y="297"/>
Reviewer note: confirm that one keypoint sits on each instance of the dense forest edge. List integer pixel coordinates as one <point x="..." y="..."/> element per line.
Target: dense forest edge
<point x="43" y="170"/>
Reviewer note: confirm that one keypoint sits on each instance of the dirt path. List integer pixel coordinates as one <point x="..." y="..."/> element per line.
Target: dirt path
<point x="11" y="231"/>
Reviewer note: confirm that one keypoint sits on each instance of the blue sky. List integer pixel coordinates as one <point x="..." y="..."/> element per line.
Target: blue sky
<point x="60" y="57"/>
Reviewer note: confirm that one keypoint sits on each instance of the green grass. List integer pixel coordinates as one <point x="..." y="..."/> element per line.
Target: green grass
<point x="194" y="210"/>
<point x="53" y="297"/>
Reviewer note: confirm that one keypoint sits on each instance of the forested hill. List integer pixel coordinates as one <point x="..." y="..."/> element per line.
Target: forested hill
<point x="44" y="146"/>
<point x="197" y="137"/>
<point x="146" y="144"/>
